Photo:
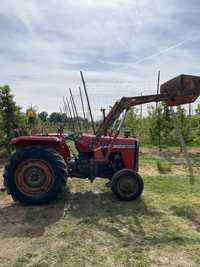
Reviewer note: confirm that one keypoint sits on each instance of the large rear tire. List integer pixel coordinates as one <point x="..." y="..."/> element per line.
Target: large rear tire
<point x="35" y="175"/>
<point x="127" y="185"/>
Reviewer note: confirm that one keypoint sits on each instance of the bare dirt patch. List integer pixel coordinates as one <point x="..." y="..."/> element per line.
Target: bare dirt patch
<point x="169" y="257"/>
<point x="174" y="158"/>
<point x="23" y="228"/>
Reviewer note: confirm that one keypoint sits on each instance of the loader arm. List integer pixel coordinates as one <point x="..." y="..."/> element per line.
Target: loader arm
<point x="127" y="102"/>
<point x="180" y="90"/>
<point x="186" y="90"/>
<point x="124" y="104"/>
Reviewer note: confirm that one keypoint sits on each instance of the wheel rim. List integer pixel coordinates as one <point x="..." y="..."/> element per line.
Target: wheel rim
<point x="34" y="177"/>
<point x="127" y="186"/>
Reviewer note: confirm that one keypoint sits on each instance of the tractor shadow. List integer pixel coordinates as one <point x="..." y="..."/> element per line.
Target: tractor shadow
<point x="100" y="210"/>
<point x="103" y="213"/>
<point x="127" y="222"/>
<point x="17" y="220"/>
<point x="190" y="213"/>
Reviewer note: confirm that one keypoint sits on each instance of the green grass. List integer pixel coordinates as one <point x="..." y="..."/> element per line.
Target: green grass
<point x="149" y="158"/>
<point x="3" y="194"/>
<point x="87" y="226"/>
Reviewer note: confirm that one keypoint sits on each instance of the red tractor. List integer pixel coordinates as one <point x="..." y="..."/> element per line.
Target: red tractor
<point x="40" y="166"/>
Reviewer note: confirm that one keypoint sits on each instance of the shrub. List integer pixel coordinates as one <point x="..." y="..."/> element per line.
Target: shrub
<point x="163" y="167"/>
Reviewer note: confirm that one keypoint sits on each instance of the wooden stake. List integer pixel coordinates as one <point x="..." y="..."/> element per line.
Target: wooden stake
<point x="183" y="145"/>
<point x="82" y="104"/>
<point x="88" y="102"/>
<point x="74" y="109"/>
<point x="70" y="114"/>
<point x="157" y="108"/>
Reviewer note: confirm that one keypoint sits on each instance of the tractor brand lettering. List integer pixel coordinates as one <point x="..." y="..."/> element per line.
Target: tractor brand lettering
<point x="119" y="146"/>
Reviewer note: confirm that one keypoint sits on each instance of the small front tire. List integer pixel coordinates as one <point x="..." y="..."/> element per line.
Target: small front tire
<point x="127" y="185"/>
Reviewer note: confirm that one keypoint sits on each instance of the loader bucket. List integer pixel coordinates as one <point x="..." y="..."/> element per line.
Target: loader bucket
<point x="181" y="90"/>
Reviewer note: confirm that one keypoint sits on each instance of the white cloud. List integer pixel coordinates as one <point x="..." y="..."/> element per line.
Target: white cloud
<point x="44" y="44"/>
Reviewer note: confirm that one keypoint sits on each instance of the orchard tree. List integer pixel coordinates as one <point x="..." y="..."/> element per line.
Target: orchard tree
<point x="43" y="116"/>
<point x="161" y="126"/>
<point x="196" y="126"/>
<point x="1" y="131"/>
<point x="132" y="122"/>
<point x="11" y="116"/>
<point x="137" y="125"/>
<point x="185" y="125"/>
<point x="57" y="117"/>
<point x="167" y="126"/>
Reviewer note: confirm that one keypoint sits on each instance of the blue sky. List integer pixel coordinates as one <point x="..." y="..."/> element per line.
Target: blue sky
<point x="119" y="45"/>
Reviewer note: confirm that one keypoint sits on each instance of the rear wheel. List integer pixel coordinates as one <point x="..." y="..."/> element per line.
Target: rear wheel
<point x="35" y="175"/>
<point x="127" y="185"/>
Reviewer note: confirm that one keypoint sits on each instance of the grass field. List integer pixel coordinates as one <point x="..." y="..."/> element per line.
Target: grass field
<point x="87" y="226"/>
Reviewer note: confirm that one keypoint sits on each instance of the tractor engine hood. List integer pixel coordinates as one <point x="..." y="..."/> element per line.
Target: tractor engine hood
<point x="85" y="142"/>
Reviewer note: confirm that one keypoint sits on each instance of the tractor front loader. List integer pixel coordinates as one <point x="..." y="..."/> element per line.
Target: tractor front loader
<point x="40" y="166"/>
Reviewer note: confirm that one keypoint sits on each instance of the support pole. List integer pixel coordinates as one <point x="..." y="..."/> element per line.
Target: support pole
<point x="103" y="110"/>
<point x="61" y="129"/>
<point x="66" y="112"/>
<point x="88" y="102"/>
<point x="82" y="104"/>
<point x="85" y="121"/>
<point x="70" y="114"/>
<point x="75" y="110"/>
<point x="157" y="109"/>
<point x="158" y="87"/>
<point x="183" y="145"/>
<point x="141" y="110"/>
<point x="141" y="122"/>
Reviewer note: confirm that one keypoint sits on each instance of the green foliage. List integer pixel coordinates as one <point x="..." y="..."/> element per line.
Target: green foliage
<point x="196" y="126"/>
<point x="158" y="127"/>
<point x="185" y="123"/>
<point x="161" y="125"/>
<point x="43" y="116"/>
<point x="11" y="117"/>
<point x="132" y="121"/>
<point x="163" y="167"/>
<point x="57" y="117"/>
<point x="137" y="125"/>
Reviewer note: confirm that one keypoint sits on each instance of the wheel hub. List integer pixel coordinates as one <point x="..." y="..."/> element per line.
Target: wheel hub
<point x="127" y="186"/>
<point x="34" y="177"/>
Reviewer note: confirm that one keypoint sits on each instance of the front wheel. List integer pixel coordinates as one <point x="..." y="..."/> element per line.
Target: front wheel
<point x="35" y="175"/>
<point x="127" y="185"/>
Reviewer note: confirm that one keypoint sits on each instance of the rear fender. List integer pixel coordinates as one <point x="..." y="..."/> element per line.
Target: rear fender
<point x="53" y="142"/>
